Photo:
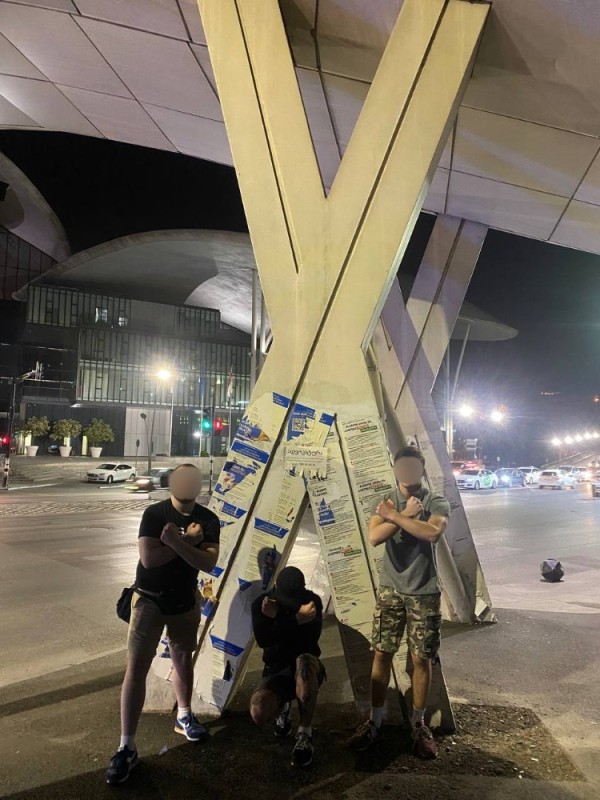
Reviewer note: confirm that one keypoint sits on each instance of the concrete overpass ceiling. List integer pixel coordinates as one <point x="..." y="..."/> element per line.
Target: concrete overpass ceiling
<point x="524" y="156"/>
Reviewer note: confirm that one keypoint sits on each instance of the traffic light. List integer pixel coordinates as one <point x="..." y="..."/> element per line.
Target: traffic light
<point x="5" y="444"/>
<point x="218" y="426"/>
<point x="206" y="424"/>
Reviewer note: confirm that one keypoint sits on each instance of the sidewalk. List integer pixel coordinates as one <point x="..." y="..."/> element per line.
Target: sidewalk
<point x="525" y="691"/>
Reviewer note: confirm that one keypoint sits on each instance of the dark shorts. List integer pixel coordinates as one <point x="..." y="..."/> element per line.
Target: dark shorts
<point x="283" y="683"/>
<point x="419" y="615"/>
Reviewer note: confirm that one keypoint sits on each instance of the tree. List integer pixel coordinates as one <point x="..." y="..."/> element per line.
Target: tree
<point x="98" y="432"/>
<point x="65" y="429"/>
<point x="35" y="427"/>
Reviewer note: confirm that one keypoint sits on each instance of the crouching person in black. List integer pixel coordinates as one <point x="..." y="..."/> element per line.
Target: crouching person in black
<point x="287" y="625"/>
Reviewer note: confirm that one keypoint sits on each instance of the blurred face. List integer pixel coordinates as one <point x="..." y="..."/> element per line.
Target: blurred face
<point x="185" y="484"/>
<point x="409" y="471"/>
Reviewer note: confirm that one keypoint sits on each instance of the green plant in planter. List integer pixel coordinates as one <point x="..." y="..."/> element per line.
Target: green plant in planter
<point x="35" y="427"/>
<point x="64" y="429"/>
<point x="98" y="432"/>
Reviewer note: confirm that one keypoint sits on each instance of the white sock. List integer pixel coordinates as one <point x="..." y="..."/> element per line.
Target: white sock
<point x="127" y="741"/>
<point x="285" y="708"/>
<point x="183" y="712"/>
<point x="418" y="717"/>
<point x="307" y="729"/>
<point x="377" y="716"/>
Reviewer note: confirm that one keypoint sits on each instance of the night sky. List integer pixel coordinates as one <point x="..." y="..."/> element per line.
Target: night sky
<point x="101" y="190"/>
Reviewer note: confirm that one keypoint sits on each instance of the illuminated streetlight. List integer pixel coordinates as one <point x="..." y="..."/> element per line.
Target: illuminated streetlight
<point x="587" y="435"/>
<point x="496" y="415"/>
<point x="596" y="434"/>
<point x="466" y="411"/>
<point x="578" y="438"/>
<point x="556" y="441"/>
<point x="568" y="440"/>
<point x="163" y="374"/>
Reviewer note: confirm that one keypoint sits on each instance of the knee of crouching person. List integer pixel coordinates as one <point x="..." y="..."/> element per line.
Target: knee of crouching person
<point x="259" y="710"/>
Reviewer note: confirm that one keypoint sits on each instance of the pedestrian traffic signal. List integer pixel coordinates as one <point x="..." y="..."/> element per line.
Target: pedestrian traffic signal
<point x="218" y="426"/>
<point x="206" y="424"/>
<point x="4" y="444"/>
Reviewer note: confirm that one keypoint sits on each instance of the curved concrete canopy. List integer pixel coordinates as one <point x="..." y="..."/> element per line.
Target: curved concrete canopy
<point x="524" y="156"/>
<point x="211" y="269"/>
<point x="25" y="213"/>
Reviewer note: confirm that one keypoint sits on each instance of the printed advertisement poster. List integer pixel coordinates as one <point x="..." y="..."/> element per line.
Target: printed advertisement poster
<point x="343" y="550"/>
<point x="306" y="460"/>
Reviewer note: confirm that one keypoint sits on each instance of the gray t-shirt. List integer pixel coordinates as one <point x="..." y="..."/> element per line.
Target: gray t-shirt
<point x="409" y="563"/>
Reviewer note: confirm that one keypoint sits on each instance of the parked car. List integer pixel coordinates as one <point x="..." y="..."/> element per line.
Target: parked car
<point x="595" y="482"/>
<point x="510" y="477"/>
<point x="532" y="474"/>
<point x="477" y="479"/>
<point x="576" y="472"/>
<point x="110" y="472"/>
<point x="157" y="478"/>
<point x="457" y="467"/>
<point x="556" y="479"/>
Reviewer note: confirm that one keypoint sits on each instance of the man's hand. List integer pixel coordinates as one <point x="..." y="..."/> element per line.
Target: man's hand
<point x="307" y="613"/>
<point x="269" y="607"/>
<point x="385" y="510"/>
<point x="169" y="533"/>
<point x="414" y="507"/>
<point x="194" y="531"/>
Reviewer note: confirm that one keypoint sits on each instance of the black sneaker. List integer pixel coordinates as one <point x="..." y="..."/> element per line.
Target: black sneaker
<point x="283" y="726"/>
<point x="302" y="754"/>
<point x="123" y="761"/>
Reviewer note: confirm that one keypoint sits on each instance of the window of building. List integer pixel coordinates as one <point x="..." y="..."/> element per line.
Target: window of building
<point x="101" y="315"/>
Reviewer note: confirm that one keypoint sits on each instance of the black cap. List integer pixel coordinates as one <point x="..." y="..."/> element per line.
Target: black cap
<point x="290" y="589"/>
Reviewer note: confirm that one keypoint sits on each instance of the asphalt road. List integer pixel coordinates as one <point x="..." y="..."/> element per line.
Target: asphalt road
<point x="66" y="553"/>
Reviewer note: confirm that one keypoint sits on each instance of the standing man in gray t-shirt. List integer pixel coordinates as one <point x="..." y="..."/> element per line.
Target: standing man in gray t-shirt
<point x="408" y="597"/>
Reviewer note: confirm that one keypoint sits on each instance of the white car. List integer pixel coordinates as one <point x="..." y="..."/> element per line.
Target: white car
<point x="556" y="479"/>
<point x="477" y="479"/>
<point x="579" y="473"/>
<point x="531" y="474"/>
<point x="111" y="472"/>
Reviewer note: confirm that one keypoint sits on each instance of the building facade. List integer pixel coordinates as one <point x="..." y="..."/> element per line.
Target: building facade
<point x="173" y="379"/>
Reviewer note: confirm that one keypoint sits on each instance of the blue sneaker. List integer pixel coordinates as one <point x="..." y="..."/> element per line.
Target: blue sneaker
<point x="189" y="727"/>
<point x="123" y="761"/>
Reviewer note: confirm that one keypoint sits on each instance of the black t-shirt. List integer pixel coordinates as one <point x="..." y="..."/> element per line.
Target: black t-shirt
<point x="176" y="576"/>
<point x="282" y="638"/>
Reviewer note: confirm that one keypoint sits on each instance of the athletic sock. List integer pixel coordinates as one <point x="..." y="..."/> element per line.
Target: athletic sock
<point x="377" y="716"/>
<point x="418" y="717"/>
<point x="307" y="729"/>
<point x="128" y="742"/>
<point x="183" y="712"/>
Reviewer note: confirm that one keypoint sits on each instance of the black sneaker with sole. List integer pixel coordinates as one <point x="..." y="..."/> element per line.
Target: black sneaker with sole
<point x="123" y="761"/>
<point x="283" y="726"/>
<point x="303" y="752"/>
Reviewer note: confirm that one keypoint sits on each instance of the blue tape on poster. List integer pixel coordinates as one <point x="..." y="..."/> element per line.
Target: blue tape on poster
<point x="281" y="400"/>
<point x="216" y="572"/>
<point x="226" y="647"/>
<point x="244" y="584"/>
<point x="249" y="452"/>
<point x="327" y="419"/>
<point x="265" y="526"/>
<point x="231" y="511"/>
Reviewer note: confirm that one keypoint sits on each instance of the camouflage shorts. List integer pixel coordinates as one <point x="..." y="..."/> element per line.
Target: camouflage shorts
<point x="419" y="615"/>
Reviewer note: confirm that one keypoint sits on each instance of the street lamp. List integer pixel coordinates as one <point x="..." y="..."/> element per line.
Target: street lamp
<point x="466" y="411"/>
<point x="166" y="376"/>
<point x="496" y="416"/>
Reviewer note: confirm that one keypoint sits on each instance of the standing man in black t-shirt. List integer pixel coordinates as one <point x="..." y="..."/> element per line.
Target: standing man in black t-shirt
<point x="177" y="538"/>
<point x="287" y="624"/>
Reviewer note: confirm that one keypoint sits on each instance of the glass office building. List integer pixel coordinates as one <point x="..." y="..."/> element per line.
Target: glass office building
<point x="105" y="355"/>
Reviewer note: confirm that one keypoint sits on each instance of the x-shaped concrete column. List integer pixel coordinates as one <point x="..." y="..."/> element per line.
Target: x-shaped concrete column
<point x="326" y="263"/>
<point x="409" y="344"/>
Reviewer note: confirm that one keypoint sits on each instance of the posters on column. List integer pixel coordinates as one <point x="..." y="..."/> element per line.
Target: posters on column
<point x="371" y="474"/>
<point x="267" y="539"/>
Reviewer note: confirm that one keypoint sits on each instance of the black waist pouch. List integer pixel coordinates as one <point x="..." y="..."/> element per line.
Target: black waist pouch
<point x="124" y="603"/>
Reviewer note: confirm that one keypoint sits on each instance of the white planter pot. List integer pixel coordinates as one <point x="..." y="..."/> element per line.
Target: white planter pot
<point x="65" y="451"/>
<point x="95" y="452"/>
<point x="31" y="449"/>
